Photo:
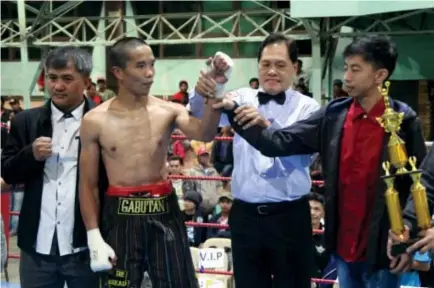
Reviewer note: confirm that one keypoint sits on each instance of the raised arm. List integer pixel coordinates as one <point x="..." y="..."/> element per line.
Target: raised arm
<point x="303" y="137"/>
<point x="198" y="129"/>
<point x="89" y="171"/>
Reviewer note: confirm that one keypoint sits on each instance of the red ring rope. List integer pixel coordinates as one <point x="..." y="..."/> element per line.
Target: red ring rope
<point x="225" y="226"/>
<point x="230" y="273"/>
<point x="218" y="138"/>
<point x="220" y="178"/>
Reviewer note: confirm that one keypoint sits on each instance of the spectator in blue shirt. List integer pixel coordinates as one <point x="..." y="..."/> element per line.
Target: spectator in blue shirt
<point x="421" y="262"/>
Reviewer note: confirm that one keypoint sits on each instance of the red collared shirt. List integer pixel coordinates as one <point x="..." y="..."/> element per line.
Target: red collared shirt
<point x="362" y="142"/>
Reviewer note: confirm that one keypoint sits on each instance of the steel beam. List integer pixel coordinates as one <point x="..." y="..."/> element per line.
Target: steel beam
<point x="170" y="41"/>
<point x="23" y="48"/>
<point x="28" y="7"/>
<point x="52" y="16"/>
<point x="184" y="33"/>
<point x="390" y="33"/>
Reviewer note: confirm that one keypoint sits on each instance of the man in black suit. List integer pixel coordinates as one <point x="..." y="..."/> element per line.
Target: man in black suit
<point x="42" y="153"/>
<point x="352" y="146"/>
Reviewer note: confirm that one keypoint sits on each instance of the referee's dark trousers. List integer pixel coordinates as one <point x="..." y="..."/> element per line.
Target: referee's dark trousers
<point x="272" y="244"/>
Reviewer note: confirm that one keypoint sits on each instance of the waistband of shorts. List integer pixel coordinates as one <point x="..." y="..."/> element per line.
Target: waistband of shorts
<point x="162" y="188"/>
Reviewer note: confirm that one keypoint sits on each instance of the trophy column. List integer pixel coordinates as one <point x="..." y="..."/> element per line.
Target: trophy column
<point x="391" y="122"/>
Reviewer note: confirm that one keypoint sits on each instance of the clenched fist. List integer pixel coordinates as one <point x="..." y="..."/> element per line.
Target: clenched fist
<point x="206" y="86"/>
<point x="211" y="82"/>
<point x="219" y="65"/>
<point x="42" y="148"/>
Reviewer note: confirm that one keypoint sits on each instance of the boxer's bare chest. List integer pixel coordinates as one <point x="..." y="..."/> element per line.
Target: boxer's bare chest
<point x="134" y="144"/>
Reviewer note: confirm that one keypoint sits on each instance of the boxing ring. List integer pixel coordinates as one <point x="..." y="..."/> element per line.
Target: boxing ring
<point x="6" y="201"/>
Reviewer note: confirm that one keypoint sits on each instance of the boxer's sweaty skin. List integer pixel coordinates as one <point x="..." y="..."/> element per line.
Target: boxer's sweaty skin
<point x="131" y="132"/>
<point x="133" y="144"/>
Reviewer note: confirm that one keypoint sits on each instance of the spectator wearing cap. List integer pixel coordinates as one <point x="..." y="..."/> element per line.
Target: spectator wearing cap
<point x="181" y="96"/>
<point x="198" y="145"/>
<point x="193" y="212"/>
<point x="105" y="93"/>
<point x="208" y="189"/>
<point x="225" y="202"/>
<point x="15" y="105"/>
<point x="338" y="90"/>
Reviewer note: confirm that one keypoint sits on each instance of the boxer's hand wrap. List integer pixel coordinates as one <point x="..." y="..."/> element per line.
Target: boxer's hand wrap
<point x="220" y="88"/>
<point x="100" y="252"/>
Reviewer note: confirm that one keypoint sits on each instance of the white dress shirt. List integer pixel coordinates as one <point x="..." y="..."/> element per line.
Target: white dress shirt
<point x="60" y="181"/>
<point x="257" y="178"/>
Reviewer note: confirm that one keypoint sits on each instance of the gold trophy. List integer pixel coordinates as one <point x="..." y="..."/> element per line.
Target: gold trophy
<point x="391" y="122"/>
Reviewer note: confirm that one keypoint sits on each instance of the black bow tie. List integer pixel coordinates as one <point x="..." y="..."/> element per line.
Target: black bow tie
<point x="264" y="98"/>
<point x="67" y="115"/>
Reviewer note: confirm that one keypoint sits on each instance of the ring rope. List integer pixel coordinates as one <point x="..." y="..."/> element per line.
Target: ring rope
<point x="230" y="273"/>
<point x="225" y="226"/>
<point x="221" y="178"/>
<point x="217" y="138"/>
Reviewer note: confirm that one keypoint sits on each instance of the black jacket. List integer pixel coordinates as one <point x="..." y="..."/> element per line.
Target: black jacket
<point x="322" y="256"/>
<point x="217" y="233"/>
<point x="199" y="233"/>
<point x="322" y="132"/>
<point x="215" y="154"/>
<point x="18" y="166"/>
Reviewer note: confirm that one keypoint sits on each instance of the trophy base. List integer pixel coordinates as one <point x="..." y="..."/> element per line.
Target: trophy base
<point x="400" y="248"/>
<point x="401" y="174"/>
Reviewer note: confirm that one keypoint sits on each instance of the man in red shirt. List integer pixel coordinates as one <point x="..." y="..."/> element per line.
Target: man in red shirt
<point x="93" y="94"/>
<point x="181" y="96"/>
<point x="352" y="146"/>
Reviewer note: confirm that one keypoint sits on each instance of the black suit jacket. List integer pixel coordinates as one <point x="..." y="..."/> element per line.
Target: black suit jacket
<point x="18" y="166"/>
<point x="321" y="132"/>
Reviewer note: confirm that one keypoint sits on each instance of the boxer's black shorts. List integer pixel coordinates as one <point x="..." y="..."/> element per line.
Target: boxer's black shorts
<point x="147" y="234"/>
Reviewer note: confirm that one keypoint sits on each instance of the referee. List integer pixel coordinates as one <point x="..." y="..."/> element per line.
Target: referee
<point x="270" y="219"/>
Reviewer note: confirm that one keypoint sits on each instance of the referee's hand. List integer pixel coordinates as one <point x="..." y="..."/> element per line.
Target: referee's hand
<point x="226" y="102"/>
<point x="248" y="116"/>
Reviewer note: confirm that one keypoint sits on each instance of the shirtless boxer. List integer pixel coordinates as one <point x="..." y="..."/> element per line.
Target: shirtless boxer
<point x="141" y="221"/>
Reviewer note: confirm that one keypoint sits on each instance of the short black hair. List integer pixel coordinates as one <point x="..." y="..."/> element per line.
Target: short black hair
<point x="60" y="57"/>
<point x="182" y="82"/>
<point x="253" y="80"/>
<point x="176" y="158"/>
<point x="300" y="63"/>
<point x="338" y="83"/>
<point x="280" y="38"/>
<point x="118" y="55"/>
<point x="313" y="196"/>
<point x="378" y="50"/>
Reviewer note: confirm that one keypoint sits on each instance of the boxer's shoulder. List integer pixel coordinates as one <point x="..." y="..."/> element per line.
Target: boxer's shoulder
<point x="172" y="108"/>
<point x="94" y="119"/>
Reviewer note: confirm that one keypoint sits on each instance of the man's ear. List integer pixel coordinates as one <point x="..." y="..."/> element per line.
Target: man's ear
<point x="381" y="76"/>
<point x="117" y="72"/>
<point x="87" y="83"/>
